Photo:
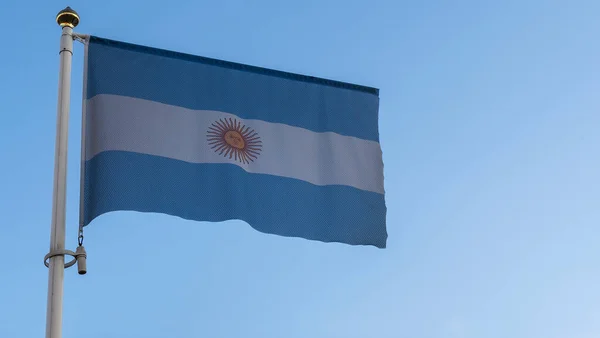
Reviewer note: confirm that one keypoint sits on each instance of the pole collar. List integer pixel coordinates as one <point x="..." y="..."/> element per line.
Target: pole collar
<point x="63" y="253"/>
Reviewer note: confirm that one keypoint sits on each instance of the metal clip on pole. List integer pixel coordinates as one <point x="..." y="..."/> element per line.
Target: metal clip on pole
<point x="79" y="257"/>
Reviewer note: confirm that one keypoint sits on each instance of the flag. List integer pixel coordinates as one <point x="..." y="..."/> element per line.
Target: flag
<point x="210" y="140"/>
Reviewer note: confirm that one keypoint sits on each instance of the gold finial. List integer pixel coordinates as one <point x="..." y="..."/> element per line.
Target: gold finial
<point x="67" y="18"/>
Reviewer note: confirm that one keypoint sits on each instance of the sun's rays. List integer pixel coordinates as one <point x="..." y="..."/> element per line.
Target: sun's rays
<point x="228" y="137"/>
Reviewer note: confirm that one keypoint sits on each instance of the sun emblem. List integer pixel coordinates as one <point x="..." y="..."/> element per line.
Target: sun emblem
<point x="231" y="139"/>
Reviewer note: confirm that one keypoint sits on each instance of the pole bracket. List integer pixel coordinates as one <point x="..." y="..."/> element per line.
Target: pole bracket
<point x="78" y="257"/>
<point x="83" y="38"/>
<point x="61" y="253"/>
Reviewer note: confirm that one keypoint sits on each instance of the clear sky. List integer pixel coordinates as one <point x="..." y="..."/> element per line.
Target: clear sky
<point x="490" y="129"/>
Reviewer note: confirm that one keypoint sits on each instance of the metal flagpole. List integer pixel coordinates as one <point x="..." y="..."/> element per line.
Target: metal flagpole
<point x="67" y="19"/>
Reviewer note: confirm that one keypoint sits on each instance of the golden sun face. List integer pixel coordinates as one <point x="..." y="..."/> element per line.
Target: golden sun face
<point x="230" y="138"/>
<point x="235" y="139"/>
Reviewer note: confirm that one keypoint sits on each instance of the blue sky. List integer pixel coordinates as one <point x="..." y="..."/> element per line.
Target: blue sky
<point x="489" y="122"/>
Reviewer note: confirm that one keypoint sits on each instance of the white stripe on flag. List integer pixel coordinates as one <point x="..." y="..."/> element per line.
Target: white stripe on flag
<point x="130" y="124"/>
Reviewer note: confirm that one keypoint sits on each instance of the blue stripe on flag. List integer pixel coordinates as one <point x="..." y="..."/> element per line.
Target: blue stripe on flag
<point x="118" y="180"/>
<point x="249" y="92"/>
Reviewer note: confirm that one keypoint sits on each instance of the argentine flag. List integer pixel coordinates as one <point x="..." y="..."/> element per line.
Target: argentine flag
<point x="210" y="140"/>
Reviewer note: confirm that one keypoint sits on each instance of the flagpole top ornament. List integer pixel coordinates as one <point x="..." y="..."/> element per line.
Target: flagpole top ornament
<point x="67" y="18"/>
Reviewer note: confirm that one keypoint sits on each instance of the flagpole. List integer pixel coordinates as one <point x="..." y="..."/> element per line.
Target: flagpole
<point x="67" y="19"/>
